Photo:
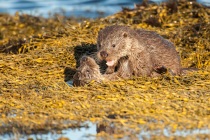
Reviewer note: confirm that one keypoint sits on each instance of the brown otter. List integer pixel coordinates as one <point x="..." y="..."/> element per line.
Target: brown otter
<point x="146" y="51"/>
<point x="127" y="53"/>
<point x="87" y="71"/>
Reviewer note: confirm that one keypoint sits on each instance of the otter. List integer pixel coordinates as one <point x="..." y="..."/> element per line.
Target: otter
<point x="128" y="53"/>
<point x="147" y="53"/>
<point x="87" y="71"/>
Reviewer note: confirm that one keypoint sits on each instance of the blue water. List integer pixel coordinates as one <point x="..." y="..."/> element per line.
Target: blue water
<point x="90" y="133"/>
<point x="77" y="8"/>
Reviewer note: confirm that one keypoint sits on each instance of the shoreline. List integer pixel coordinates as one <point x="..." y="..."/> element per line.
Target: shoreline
<point x="89" y="10"/>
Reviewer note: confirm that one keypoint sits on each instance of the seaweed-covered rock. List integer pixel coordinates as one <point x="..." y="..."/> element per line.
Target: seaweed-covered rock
<point x="35" y="98"/>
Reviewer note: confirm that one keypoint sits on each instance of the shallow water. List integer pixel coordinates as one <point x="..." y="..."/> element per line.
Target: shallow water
<point x="82" y="8"/>
<point x="70" y="83"/>
<point x="89" y="133"/>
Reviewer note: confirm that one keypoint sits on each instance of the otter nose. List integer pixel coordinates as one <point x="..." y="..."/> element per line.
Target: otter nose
<point x="104" y="54"/>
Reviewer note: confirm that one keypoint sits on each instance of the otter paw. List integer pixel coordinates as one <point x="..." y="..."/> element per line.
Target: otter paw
<point x="160" y="69"/>
<point x="110" y="70"/>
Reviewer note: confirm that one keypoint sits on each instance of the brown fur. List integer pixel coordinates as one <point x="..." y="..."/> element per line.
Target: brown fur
<point x="147" y="52"/>
<point x="135" y="53"/>
<point x="87" y="71"/>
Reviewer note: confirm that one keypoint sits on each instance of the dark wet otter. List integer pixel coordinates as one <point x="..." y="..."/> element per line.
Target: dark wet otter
<point x="87" y="71"/>
<point x="147" y="52"/>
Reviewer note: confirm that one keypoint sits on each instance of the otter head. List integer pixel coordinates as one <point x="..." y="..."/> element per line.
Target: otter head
<point x="113" y="43"/>
<point x="87" y="71"/>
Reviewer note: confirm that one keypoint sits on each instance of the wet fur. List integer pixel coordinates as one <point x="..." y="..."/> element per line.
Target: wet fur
<point x="136" y="53"/>
<point x="87" y="71"/>
<point x="146" y="50"/>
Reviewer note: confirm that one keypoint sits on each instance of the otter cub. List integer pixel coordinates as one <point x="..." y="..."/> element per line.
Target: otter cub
<point x="147" y="52"/>
<point x="87" y="71"/>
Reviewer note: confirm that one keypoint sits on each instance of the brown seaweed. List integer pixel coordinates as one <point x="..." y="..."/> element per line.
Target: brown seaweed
<point x="38" y="54"/>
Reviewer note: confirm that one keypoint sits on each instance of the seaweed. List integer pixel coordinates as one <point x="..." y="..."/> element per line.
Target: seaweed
<point x="38" y="55"/>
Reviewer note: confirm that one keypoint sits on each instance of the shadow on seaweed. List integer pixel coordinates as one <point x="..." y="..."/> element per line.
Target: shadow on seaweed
<point x="69" y="73"/>
<point x="13" y="46"/>
<point x="79" y="51"/>
<point x="84" y="49"/>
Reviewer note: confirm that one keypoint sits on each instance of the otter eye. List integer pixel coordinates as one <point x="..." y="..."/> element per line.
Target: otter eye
<point x="113" y="45"/>
<point x="87" y="71"/>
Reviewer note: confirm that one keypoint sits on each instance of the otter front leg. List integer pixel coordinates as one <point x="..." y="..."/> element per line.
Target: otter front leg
<point x="122" y="66"/>
<point x="124" y="71"/>
<point x="110" y="70"/>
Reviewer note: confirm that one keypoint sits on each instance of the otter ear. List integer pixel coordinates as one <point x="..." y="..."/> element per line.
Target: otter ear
<point x="125" y="34"/>
<point x="83" y="59"/>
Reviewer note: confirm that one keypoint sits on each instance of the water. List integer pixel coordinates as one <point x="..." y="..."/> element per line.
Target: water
<point x="78" y="8"/>
<point x="73" y="134"/>
<point x="89" y="133"/>
<point x="70" y="83"/>
<point x="86" y="8"/>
